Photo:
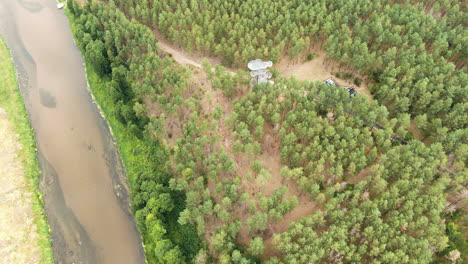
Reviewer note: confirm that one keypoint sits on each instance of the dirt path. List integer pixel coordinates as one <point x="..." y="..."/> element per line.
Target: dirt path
<point x="183" y="57"/>
<point x="179" y="55"/>
<point x="19" y="240"/>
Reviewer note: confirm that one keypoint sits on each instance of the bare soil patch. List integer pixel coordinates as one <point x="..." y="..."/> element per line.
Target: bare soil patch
<point x="82" y="2"/>
<point x="360" y="176"/>
<point x="413" y="129"/>
<point x="270" y="161"/>
<point x="318" y="69"/>
<point x="19" y="240"/>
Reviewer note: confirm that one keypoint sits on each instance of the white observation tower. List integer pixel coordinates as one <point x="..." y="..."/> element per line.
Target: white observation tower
<point x="259" y="72"/>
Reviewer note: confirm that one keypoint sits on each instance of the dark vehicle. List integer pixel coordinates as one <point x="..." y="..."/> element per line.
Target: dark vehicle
<point x="352" y="92"/>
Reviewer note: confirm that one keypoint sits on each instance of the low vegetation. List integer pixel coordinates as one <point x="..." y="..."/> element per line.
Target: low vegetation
<point x="24" y="232"/>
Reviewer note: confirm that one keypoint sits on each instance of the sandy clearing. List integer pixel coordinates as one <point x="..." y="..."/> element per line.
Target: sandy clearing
<point x="318" y="69"/>
<point x="18" y="233"/>
<point x="361" y="175"/>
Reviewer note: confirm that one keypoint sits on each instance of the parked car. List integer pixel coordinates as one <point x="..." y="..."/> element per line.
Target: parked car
<point x="352" y="92"/>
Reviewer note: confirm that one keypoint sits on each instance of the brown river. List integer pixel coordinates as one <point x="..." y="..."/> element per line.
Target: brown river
<point x="84" y="186"/>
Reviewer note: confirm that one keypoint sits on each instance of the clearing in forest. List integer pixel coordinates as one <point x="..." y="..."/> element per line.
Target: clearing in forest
<point x="318" y="69"/>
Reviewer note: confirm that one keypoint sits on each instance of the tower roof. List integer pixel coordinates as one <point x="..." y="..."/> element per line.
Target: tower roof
<point x="259" y="64"/>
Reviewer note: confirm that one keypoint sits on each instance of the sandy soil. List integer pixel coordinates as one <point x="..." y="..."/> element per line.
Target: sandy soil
<point x="360" y="176"/>
<point x="413" y="129"/>
<point x="82" y="2"/>
<point x="179" y="55"/>
<point x="183" y="57"/>
<point x="18" y="236"/>
<point x="271" y="162"/>
<point x="317" y="69"/>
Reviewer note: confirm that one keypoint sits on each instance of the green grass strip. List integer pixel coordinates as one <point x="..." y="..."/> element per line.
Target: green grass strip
<point x="12" y="102"/>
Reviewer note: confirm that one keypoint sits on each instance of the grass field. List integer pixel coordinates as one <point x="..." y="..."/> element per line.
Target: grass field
<point x="24" y="231"/>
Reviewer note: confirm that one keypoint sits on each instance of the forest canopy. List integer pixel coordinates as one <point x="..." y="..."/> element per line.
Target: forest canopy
<point x="289" y="171"/>
<point x="413" y="54"/>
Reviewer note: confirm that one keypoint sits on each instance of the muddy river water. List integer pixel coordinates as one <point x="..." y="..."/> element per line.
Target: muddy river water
<point x="83" y="183"/>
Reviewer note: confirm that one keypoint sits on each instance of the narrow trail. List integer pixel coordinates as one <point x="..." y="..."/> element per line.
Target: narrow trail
<point x="183" y="57"/>
<point x="179" y="55"/>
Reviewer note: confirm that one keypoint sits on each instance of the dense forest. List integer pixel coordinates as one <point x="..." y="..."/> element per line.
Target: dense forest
<point x="413" y="54"/>
<point x="290" y="171"/>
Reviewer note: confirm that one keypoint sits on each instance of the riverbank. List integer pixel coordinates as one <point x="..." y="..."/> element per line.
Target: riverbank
<point x="24" y="231"/>
<point x="145" y="162"/>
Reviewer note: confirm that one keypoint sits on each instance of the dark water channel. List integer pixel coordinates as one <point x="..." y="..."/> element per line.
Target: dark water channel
<point x="83" y="182"/>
